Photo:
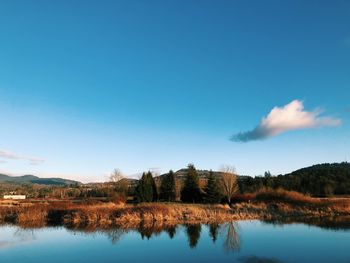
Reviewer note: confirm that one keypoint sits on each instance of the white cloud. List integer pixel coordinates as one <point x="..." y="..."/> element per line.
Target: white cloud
<point x="282" y="119"/>
<point x="12" y="156"/>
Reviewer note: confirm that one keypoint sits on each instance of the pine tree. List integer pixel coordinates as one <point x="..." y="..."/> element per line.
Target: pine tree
<point x="212" y="190"/>
<point x="146" y="190"/>
<point x="191" y="192"/>
<point x="168" y="187"/>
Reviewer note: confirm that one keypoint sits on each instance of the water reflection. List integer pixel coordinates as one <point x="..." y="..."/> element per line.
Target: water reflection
<point x="213" y="231"/>
<point x="255" y="259"/>
<point x="115" y="234"/>
<point x="228" y="233"/>
<point x="336" y="223"/>
<point x="20" y="236"/>
<point x="193" y="234"/>
<point x="232" y="241"/>
<point x="171" y="231"/>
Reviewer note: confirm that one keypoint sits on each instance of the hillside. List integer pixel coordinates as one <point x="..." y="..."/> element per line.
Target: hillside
<point x="318" y="180"/>
<point x="31" y="179"/>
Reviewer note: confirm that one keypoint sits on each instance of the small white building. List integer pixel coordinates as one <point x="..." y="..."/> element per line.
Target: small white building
<point x="15" y="197"/>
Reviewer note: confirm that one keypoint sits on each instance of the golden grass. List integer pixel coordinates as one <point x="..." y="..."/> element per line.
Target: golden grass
<point x="264" y="204"/>
<point x="116" y="214"/>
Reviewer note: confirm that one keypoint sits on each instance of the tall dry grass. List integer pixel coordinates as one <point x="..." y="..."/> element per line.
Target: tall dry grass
<point x="113" y="214"/>
<point x="266" y="203"/>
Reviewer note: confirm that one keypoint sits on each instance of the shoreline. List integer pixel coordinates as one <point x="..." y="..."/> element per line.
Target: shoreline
<point x="111" y="214"/>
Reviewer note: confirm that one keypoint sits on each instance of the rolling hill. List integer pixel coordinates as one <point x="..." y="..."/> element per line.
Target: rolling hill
<point x="31" y="179"/>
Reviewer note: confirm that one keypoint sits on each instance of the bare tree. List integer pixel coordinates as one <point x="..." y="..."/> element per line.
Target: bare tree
<point x="229" y="182"/>
<point x="116" y="176"/>
<point x="119" y="181"/>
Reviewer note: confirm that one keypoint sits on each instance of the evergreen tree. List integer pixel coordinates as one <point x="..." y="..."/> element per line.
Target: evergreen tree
<point x="168" y="187"/>
<point x="212" y="190"/>
<point x="191" y="192"/>
<point x="146" y="190"/>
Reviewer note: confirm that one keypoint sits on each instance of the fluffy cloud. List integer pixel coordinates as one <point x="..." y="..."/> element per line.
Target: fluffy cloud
<point x="12" y="156"/>
<point x="282" y="119"/>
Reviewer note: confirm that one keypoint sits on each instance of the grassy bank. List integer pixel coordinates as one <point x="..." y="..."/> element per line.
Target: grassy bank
<point x="266" y="205"/>
<point x="105" y="214"/>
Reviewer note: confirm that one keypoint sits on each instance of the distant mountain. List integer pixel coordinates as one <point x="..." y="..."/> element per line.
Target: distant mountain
<point x="31" y="179"/>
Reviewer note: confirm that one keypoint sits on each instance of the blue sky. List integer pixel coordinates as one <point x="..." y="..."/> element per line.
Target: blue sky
<point x="89" y="86"/>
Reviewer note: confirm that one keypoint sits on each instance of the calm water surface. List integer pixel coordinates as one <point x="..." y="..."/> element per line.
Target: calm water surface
<point x="243" y="241"/>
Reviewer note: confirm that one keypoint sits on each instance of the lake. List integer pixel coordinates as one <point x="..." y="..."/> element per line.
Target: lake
<point x="242" y="241"/>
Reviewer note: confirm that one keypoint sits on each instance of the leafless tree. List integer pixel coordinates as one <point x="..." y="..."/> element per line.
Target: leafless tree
<point x="119" y="181"/>
<point x="229" y="182"/>
<point x="116" y="176"/>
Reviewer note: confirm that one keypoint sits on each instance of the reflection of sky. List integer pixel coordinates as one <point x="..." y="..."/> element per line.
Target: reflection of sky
<point x="11" y="237"/>
<point x="257" y="243"/>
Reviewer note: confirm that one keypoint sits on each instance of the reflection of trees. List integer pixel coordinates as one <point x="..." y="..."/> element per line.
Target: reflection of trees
<point x="24" y="234"/>
<point x="171" y="231"/>
<point x="332" y="223"/>
<point x="232" y="241"/>
<point x="115" y="234"/>
<point x="193" y="234"/>
<point x="20" y="236"/>
<point x="213" y="231"/>
<point x="147" y="230"/>
<point x="255" y="259"/>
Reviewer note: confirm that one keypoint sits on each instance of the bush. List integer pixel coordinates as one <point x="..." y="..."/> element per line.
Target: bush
<point x="281" y="195"/>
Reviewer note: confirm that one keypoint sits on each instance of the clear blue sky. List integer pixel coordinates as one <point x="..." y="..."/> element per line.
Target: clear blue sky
<point x="88" y="86"/>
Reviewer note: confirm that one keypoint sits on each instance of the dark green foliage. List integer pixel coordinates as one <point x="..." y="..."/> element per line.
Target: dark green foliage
<point x="168" y="187"/>
<point x="193" y="234"/>
<point x="191" y="192"/>
<point x="212" y="191"/>
<point x="146" y="190"/>
<point x="318" y="180"/>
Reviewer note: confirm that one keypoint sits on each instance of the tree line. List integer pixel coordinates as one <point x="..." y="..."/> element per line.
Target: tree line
<point x="217" y="189"/>
<point x="318" y="180"/>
